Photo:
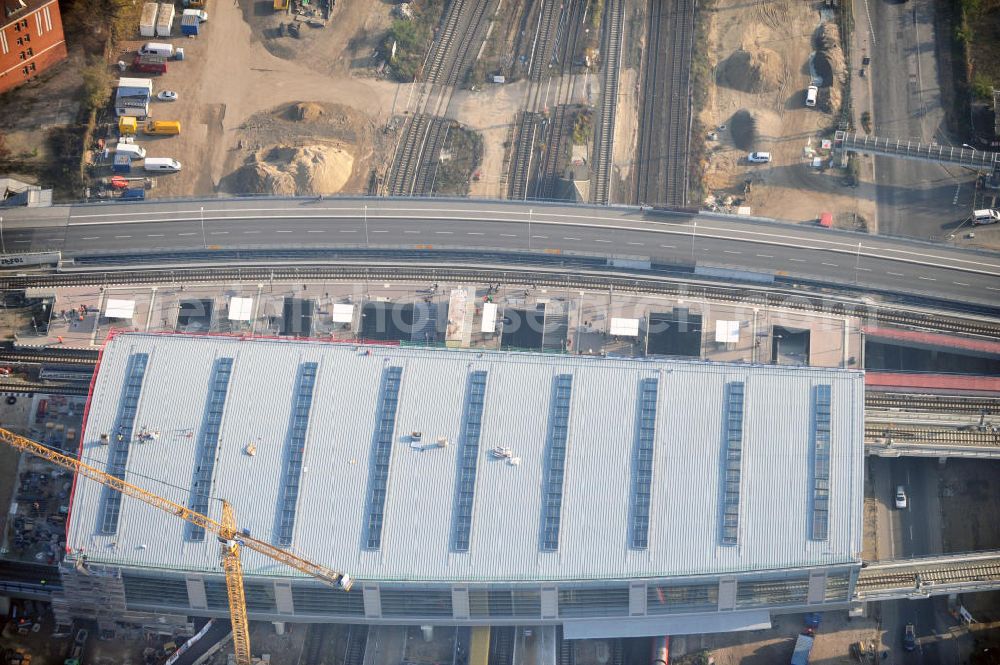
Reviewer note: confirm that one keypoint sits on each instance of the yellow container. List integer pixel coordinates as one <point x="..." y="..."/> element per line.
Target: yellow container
<point x="127" y="125"/>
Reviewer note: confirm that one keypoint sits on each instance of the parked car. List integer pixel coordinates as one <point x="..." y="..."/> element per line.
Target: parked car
<point x="909" y="637"/>
<point x="167" y="96"/>
<point x="901" y="497"/>
<point x="759" y="157"/>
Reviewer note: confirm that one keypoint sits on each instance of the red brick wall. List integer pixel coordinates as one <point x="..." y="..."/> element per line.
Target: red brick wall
<point x="46" y="48"/>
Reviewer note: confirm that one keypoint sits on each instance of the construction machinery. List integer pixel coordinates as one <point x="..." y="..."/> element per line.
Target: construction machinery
<point x="231" y="538"/>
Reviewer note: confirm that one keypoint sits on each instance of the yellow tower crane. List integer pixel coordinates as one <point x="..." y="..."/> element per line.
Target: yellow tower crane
<point x="232" y="540"/>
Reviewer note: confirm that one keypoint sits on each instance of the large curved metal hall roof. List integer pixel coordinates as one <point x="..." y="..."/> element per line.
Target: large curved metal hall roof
<point x="420" y="464"/>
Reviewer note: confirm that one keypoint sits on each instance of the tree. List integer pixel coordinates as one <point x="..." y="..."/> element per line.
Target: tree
<point x="96" y="85"/>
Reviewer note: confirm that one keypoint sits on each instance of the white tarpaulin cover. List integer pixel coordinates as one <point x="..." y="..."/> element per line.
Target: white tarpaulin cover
<point x="624" y="327"/>
<point x="240" y="309"/>
<point x="343" y="313"/>
<point x="489" y="323"/>
<point x="119" y="309"/>
<point x="727" y="332"/>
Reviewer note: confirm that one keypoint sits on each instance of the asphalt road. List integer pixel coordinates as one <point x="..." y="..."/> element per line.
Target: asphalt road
<point x="916" y="199"/>
<point x="796" y="251"/>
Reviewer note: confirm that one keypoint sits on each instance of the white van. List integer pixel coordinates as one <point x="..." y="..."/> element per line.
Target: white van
<point x="985" y="216"/>
<point x="161" y="164"/>
<point x="811" y="93"/>
<point x="157" y="48"/>
<point x="132" y="150"/>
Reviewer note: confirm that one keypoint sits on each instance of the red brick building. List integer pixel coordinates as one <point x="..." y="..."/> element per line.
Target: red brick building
<point x="31" y="40"/>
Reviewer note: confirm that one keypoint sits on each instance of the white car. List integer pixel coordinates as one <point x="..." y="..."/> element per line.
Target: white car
<point x="167" y="96"/>
<point x="901" y="497"/>
<point x="759" y="157"/>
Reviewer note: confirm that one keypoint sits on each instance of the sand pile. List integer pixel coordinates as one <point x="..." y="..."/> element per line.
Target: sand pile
<point x="295" y="171"/>
<point x="829" y="61"/>
<point x="753" y="69"/>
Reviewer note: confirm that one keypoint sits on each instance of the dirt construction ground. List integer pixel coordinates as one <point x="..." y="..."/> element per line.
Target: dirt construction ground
<point x="768" y="79"/>
<point x="234" y="93"/>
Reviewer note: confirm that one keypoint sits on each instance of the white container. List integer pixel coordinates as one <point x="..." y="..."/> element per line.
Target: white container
<point x="165" y="20"/>
<point x="132" y="150"/>
<point x="147" y="24"/>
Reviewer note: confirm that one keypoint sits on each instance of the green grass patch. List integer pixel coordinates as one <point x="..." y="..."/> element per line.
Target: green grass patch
<point x="411" y="38"/>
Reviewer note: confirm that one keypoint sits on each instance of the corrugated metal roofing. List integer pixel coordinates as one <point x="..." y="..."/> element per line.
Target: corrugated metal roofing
<point x="506" y="536"/>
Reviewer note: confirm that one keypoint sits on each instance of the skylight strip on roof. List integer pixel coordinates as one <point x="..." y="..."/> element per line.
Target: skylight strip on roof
<point x="295" y="452"/>
<point x="208" y="443"/>
<point x="642" y="464"/>
<point x="121" y="439"/>
<point x="556" y="462"/>
<point x="385" y="428"/>
<point x="468" y="458"/>
<point x="820" y="526"/>
<point x="732" y="461"/>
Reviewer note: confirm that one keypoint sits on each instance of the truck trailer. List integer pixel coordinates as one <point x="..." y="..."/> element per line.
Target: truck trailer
<point x="165" y="20"/>
<point x="150" y="64"/>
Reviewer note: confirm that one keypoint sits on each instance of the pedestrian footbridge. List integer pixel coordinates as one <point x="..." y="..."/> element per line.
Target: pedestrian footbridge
<point x="909" y="149"/>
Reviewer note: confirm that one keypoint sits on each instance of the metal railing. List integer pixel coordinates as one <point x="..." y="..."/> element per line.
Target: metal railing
<point x="910" y="149"/>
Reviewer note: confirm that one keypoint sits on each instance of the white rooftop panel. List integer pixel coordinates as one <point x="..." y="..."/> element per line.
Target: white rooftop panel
<point x="240" y="309"/>
<point x="343" y="313"/>
<point x="119" y="309"/>
<point x="504" y="543"/>
<point x="727" y="332"/>
<point x="624" y="327"/>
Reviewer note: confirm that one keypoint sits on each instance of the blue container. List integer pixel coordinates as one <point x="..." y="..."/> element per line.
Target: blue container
<point x="122" y="164"/>
<point x="134" y="195"/>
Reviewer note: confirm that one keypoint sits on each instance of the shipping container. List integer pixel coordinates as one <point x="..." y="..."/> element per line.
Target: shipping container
<point x="147" y="24"/>
<point x="134" y="194"/>
<point x="165" y="20"/>
<point x="122" y="163"/>
<point x="190" y="26"/>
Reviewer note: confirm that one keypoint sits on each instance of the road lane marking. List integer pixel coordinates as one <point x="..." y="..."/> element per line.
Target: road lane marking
<point x="894" y="274"/>
<point x="249" y="232"/>
<point x="218" y="233"/>
<point x="636" y="243"/>
<point x="667" y="246"/>
<point x="542" y="237"/>
<point x="283" y="231"/>
<point x="765" y="256"/>
<point x="186" y="234"/>
<point x="380" y="231"/>
<point x="927" y="279"/>
<point x="474" y="233"/>
<point x="154" y="235"/>
<point x="832" y="265"/>
<point x="411" y="231"/>
<point x="569" y="238"/>
<point x="444" y="233"/>
<point x="797" y="260"/>
<point x="992" y="288"/>
<point x="91" y="238"/>
<point x="960" y="283"/>
<point x="864" y="269"/>
<point x="23" y="241"/>
<point x="348" y="230"/>
<point x="508" y="235"/>
<point x="730" y="251"/>
<point x="315" y="231"/>
<point x="604" y="241"/>
<point x="123" y="236"/>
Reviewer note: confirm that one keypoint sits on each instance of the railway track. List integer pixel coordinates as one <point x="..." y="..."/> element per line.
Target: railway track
<point x="870" y="580"/>
<point x="56" y="388"/>
<point x="882" y="434"/>
<point x="357" y="642"/>
<point x="574" y="12"/>
<point x="931" y="403"/>
<point x="579" y="278"/>
<point x="520" y="167"/>
<point x="501" y="646"/>
<point x="604" y="130"/>
<point x="541" y="53"/>
<point x="415" y="162"/>
<point x="27" y="357"/>
<point x="665" y="122"/>
<point x="316" y="639"/>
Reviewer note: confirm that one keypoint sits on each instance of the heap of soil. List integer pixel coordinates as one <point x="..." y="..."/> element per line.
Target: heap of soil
<point x="304" y="111"/>
<point x="295" y="171"/>
<point x="753" y="69"/>
<point x="743" y="129"/>
<point x="829" y="61"/>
